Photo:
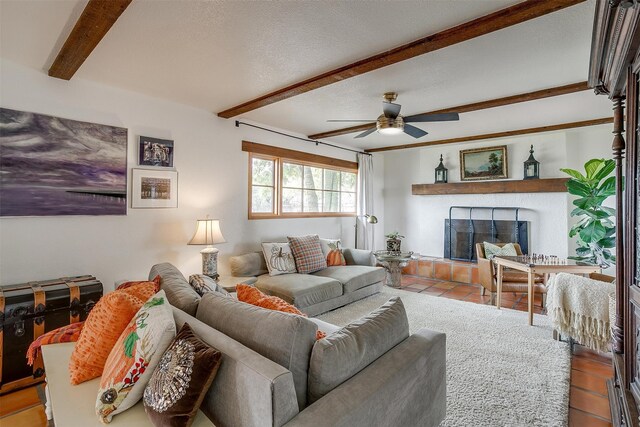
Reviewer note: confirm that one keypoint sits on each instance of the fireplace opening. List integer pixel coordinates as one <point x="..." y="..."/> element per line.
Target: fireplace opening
<point x="462" y="234"/>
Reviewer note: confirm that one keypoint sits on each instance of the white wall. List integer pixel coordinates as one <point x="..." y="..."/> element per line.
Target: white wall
<point x="421" y="218"/>
<point x="212" y="180"/>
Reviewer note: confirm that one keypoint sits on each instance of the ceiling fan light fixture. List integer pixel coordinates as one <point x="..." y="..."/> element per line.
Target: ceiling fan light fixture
<point x="390" y="126"/>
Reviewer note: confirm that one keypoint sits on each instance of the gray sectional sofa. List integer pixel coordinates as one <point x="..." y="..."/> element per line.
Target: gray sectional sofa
<point x="275" y="373"/>
<point x="321" y="291"/>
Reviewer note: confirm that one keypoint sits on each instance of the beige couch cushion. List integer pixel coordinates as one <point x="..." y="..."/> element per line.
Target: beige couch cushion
<point x="179" y="292"/>
<point x="284" y="338"/>
<point x="251" y="264"/>
<point x="301" y="290"/>
<point x="74" y="406"/>
<point x="344" y="353"/>
<point x="353" y="277"/>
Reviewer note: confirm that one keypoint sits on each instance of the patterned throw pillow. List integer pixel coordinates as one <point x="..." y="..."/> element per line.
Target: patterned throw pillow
<point x="134" y="357"/>
<point x="181" y="380"/>
<point x="279" y="258"/>
<point x="491" y="250"/>
<point x="103" y="327"/>
<point x="155" y="282"/>
<point x="203" y="284"/>
<point x="308" y="253"/>
<point x="254" y="296"/>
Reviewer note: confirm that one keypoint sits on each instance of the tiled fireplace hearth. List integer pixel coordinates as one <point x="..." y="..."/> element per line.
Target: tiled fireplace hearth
<point x="442" y="269"/>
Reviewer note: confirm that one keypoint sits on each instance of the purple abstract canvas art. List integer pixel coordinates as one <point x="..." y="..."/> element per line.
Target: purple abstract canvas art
<point x="54" y="166"/>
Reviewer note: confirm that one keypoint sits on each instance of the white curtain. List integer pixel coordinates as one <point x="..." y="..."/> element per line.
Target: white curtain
<point x="364" y="230"/>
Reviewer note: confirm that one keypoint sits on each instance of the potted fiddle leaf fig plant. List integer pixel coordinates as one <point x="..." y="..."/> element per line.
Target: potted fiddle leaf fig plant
<point x="394" y="240"/>
<point x="595" y="229"/>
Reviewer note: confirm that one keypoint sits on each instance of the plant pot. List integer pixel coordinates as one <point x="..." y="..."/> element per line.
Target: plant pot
<point x="393" y="245"/>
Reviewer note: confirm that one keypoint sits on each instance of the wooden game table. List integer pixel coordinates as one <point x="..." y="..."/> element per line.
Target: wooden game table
<point x="539" y="264"/>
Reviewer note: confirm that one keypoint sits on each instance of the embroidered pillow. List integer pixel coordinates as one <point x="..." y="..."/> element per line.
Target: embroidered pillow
<point x="103" y="327"/>
<point x="308" y="253"/>
<point x="279" y="258"/>
<point x="134" y="357"/>
<point x="203" y="284"/>
<point x="491" y="250"/>
<point x="181" y="380"/>
<point x="254" y="296"/>
<point x="325" y="245"/>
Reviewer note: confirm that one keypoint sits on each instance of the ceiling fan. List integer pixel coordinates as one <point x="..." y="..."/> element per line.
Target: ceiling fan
<point x="390" y="122"/>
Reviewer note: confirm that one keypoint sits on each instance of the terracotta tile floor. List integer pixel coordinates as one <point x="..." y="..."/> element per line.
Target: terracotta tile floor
<point x="588" y="404"/>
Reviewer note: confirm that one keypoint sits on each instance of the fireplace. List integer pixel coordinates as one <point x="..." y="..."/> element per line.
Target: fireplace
<point x="462" y="234"/>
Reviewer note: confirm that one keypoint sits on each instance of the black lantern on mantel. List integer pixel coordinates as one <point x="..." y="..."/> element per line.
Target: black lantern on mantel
<point x="441" y="173"/>
<point x="531" y="167"/>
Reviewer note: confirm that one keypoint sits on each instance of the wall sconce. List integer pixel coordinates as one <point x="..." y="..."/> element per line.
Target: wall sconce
<point x="531" y="167"/>
<point x="441" y="173"/>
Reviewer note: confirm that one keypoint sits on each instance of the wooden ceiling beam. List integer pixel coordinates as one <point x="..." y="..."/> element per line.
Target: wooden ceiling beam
<point x="482" y="105"/>
<point x="550" y="128"/>
<point x="516" y="14"/>
<point x="94" y="23"/>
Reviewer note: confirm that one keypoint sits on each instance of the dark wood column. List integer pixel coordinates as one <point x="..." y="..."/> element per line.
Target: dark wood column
<point x="618" y="147"/>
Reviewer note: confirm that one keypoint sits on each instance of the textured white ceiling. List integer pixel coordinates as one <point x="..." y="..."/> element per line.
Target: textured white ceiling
<point x="216" y="54"/>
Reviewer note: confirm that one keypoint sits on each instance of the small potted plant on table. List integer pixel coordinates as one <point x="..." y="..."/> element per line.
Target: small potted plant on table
<point x="394" y="241"/>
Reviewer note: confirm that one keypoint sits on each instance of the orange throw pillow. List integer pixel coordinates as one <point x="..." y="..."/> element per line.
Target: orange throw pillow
<point x="104" y="325"/>
<point x="254" y="296"/>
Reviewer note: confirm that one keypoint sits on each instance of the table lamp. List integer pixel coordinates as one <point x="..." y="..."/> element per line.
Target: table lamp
<point x="208" y="233"/>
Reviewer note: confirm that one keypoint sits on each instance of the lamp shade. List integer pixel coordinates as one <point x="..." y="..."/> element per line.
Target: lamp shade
<point x="207" y="233"/>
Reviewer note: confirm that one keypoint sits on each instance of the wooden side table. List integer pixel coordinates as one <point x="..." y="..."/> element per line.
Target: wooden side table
<point x="533" y="266"/>
<point x="393" y="262"/>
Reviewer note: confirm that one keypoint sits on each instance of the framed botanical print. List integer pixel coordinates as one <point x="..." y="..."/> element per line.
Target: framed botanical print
<point x="484" y="163"/>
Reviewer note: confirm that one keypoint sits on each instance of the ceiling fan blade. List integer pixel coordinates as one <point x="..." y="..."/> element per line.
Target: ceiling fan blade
<point x="366" y="132"/>
<point x="442" y="117"/>
<point x="414" y="131"/>
<point x="363" y="121"/>
<point x="390" y="109"/>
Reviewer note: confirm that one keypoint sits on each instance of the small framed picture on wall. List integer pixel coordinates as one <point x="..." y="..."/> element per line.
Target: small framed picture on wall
<point x="155" y="152"/>
<point x="484" y="163"/>
<point x="154" y="188"/>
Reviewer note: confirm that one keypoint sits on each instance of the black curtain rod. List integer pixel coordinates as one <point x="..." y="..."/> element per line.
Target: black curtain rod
<point x="238" y="123"/>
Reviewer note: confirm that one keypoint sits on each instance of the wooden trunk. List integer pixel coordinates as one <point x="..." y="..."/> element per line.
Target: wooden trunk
<point x="28" y="310"/>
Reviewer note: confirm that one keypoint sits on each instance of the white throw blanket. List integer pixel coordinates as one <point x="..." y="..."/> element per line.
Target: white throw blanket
<point x="579" y="307"/>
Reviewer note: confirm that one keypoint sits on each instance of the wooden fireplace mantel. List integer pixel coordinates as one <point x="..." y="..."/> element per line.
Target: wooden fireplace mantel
<point x="549" y="185"/>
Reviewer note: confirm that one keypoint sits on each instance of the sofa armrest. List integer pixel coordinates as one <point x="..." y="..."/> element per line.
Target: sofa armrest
<point x="404" y="387"/>
<point x="359" y="257"/>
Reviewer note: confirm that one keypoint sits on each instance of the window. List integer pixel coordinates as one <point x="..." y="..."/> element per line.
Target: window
<point x="285" y="187"/>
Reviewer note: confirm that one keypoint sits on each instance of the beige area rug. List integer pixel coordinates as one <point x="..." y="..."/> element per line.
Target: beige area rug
<point x="500" y="371"/>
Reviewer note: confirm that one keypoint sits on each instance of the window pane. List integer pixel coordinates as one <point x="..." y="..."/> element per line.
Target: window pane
<point x="349" y="182"/>
<point x="331" y="180"/>
<point x="262" y="200"/>
<point x="262" y="171"/>
<point x="312" y="178"/>
<point x="291" y="200"/>
<point x="312" y="201"/>
<point x="331" y="201"/>
<point x="348" y="202"/>
<point x="291" y="175"/>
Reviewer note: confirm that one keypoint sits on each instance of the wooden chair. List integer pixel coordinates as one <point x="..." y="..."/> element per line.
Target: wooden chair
<point x="512" y="280"/>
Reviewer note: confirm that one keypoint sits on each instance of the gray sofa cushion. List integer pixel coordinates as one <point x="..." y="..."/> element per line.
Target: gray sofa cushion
<point x="301" y="290"/>
<point x="284" y="338"/>
<point x="359" y="257"/>
<point x="346" y="352"/>
<point x="251" y="264"/>
<point x="353" y="277"/>
<point x="179" y="292"/>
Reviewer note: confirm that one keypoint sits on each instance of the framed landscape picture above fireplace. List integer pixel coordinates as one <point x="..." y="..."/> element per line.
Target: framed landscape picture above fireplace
<point x="484" y="163"/>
